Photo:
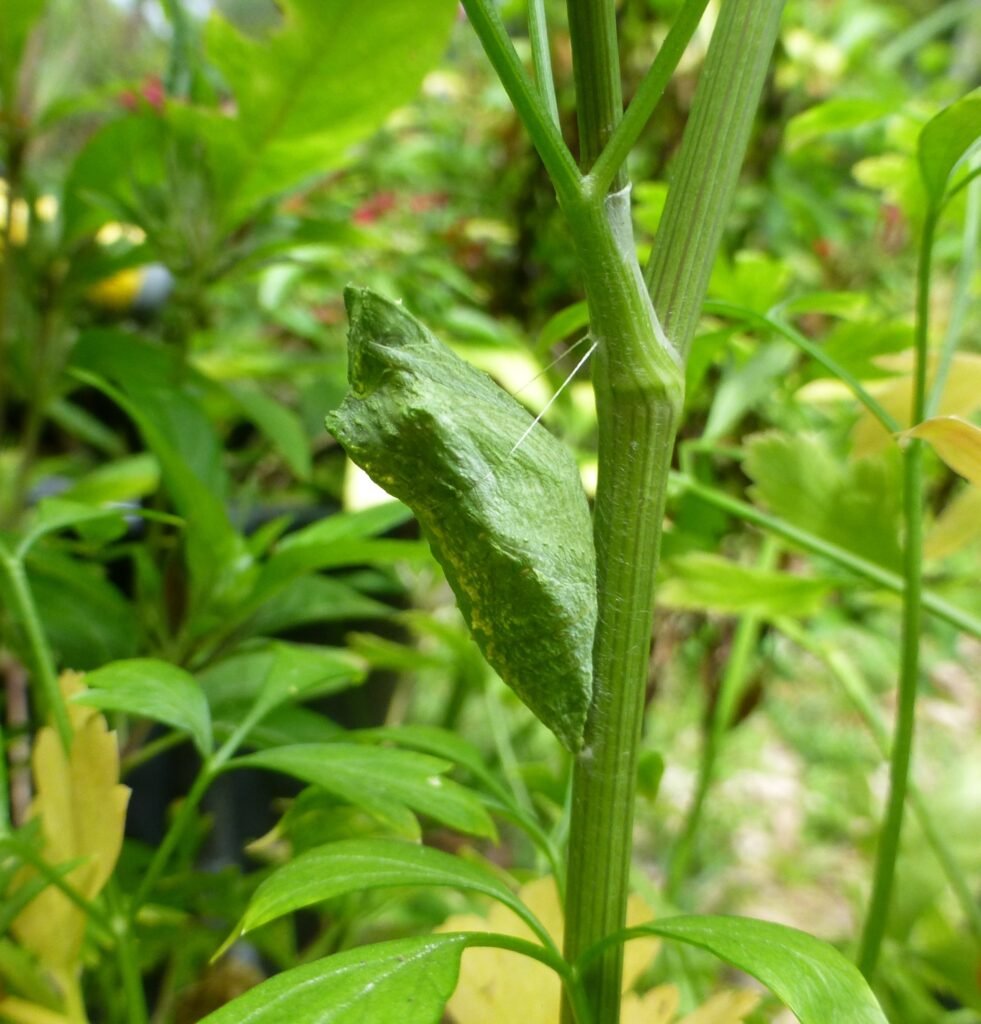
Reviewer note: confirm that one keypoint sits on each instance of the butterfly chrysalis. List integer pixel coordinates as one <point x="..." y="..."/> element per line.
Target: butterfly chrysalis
<point x="509" y="525"/>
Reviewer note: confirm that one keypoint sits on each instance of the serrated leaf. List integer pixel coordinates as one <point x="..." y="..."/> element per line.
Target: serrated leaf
<point x="359" y="865"/>
<point x="956" y="441"/>
<point x="855" y="504"/>
<point x="704" y="582"/>
<point x="376" y="777"/>
<point x="498" y="497"/>
<point x="152" y="689"/>
<point x="809" y="976"/>
<point x="326" y="79"/>
<point x="82" y="808"/>
<point x="403" y="982"/>
<point x="946" y="140"/>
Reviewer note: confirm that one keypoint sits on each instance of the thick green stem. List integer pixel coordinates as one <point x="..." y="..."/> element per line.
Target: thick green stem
<point x="649" y="93"/>
<point x="639" y="393"/>
<point x="638" y="379"/>
<point x="596" y="67"/>
<point x="707" y="168"/>
<point x="909" y="673"/>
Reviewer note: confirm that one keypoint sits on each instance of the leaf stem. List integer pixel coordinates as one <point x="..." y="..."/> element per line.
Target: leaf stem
<point x="770" y="322"/>
<point x="815" y="545"/>
<point x="961" y="300"/>
<point x="709" y="162"/>
<point x="614" y="156"/>
<point x="541" y="58"/>
<point x="524" y="96"/>
<point x="25" y="610"/>
<point x="596" y="68"/>
<point x="909" y="674"/>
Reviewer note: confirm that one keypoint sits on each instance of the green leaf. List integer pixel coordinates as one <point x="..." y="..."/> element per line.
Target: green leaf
<point x="407" y="981"/>
<point x="163" y="399"/>
<point x="373" y="777"/>
<point x="358" y="865"/>
<point x="811" y="977"/>
<point x="704" y="582"/>
<point x="315" y="599"/>
<point x="280" y="425"/>
<point x="272" y="673"/>
<point x="86" y="620"/>
<point x="946" y="141"/>
<point x="430" y="739"/>
<point x="151" y="689"/>
<point x="328" y="78"/>
<point x="54" y="514"/>
<point x="126" y="479"/>
<point x="854" y="504"/>
<point x="838" y="115"/>
<point x="562" y="324"/>
<point x="19" y="18"/>
<point x="499" y="499"/>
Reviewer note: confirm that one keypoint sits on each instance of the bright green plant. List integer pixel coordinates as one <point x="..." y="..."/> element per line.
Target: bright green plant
<point x="560" y="606"/>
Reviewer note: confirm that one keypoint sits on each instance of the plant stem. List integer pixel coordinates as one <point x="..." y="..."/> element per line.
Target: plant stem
<point x="648" y="95"/>
<point x="18" y="592"/>
<point x="769" y="322"/>
<point x="127" y="959"/>
<point x="596" y="68"/>
<point x="524" y="96"/>
<point x="639" y="382"/>
<point x="815" y="545"/>
<point x="639" y="388"/>
<point x="962" y="295"/>
<point x="732" y="688"/>
<point x="541" y="57"/>
<point x="909" y="673"/>
<point x="708" y="165"/>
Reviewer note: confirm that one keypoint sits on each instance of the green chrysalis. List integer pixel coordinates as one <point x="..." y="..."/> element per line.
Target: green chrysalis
<point x="509" y="525"/>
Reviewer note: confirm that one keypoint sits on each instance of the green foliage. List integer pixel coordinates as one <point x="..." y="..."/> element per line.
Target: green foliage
<point x="808" y="975"/>
<point x="403" y="982"/>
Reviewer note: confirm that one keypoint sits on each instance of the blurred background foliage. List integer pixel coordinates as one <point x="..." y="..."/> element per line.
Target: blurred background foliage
<point x="181" y="212"/>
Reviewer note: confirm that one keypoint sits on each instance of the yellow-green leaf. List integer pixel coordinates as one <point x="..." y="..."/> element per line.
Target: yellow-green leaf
<point x="957" y="526"/>
<point x="82" y="808"/>
<point x="956" y="441"/>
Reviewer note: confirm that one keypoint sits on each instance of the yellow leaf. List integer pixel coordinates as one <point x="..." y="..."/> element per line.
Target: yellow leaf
<point x="956" y="441"/>
<point x="730" y="1007"/>
<point x="82" y="808"/>
<point x="957" y="526"/>
<point x="656" y="1006"/>
<point x="499" y="985"/>
<point x="961" y="396"/>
